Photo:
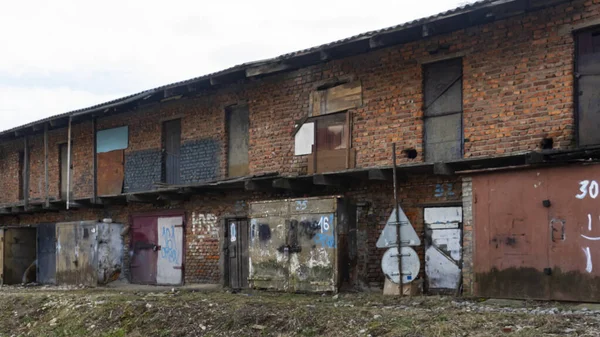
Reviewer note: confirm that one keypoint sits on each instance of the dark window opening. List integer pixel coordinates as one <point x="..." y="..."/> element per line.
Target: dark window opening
<point x="587" y="82"/>
<point x="21" y="171"/>
<point x="442" y="87"/>
<point x="171" y="152"/>
<point x="238" y="138"/>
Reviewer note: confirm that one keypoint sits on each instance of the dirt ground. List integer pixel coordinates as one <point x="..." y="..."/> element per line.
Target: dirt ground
<point x="178" y="312"/>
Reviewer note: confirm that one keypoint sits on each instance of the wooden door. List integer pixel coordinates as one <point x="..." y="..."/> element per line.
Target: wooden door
<point x="172" y="151"/>
<point x="169" y="266"/>
<point x="237" y="237"/>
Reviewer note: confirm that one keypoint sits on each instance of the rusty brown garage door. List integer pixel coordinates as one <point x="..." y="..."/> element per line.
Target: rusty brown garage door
<point x="537" y="233"/>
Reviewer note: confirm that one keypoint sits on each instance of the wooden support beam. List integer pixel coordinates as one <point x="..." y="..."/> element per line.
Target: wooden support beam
<point x="290" y="184"/>
<point x="5" y="211"/>
<point x="266" y="69"/>
<point x="172" y="197"/>
<point x="34" y="208"/>
<point x="26" y="171"/>
<point x="327" y="180"/>
<point x="46" y="182"/>
<point x="17" y="209"/>
<point x="95" y="160"/>
<point x="379" y="174"/>
<point x="116" y="200"/>
<point x="442" y="169"/>
<point x="50" y="208"/>
<point x="258" y="185"/>
<point x="142" y="199"/>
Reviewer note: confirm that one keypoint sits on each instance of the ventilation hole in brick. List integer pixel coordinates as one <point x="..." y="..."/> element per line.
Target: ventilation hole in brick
<point x="547" y="143"/>
<point x="410" y="153"/>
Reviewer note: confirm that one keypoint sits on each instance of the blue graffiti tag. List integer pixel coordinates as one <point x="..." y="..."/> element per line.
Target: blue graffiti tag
<point x="444" y="190"/>
<point x="326" y="238"/>
<point x="169" y="250"/>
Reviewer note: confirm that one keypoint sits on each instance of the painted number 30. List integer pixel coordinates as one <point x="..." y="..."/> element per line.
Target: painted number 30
<point x="588" y="187"/>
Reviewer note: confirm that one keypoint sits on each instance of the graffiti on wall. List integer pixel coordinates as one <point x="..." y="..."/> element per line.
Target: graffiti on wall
<point x="444" y="190"/>
<point x="169" y="250"/>
<point x="587" y="189"/>
<point x="205" y="224"/>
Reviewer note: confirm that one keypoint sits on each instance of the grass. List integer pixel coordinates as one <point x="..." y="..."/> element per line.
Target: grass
<point x="109" y="313"/>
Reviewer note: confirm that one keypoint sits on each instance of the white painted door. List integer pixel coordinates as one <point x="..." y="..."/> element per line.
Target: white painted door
<point x="169" y="269"/>
<point x="443" y="254"/>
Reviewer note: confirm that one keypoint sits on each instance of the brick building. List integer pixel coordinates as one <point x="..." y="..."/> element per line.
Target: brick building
<point x="482" y="102"/>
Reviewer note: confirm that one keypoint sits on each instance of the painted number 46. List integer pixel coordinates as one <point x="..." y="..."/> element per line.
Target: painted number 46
<point x="588" y="187"/>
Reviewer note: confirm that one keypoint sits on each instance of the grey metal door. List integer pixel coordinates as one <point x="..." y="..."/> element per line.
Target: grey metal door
<point x="237" y="237"/>
<point x="171" y="151"/>
<point x="588" y="87"/>
<point x="46" y="253"/>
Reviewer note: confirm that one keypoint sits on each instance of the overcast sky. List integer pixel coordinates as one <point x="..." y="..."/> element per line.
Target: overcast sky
<point x="61" y="55"/>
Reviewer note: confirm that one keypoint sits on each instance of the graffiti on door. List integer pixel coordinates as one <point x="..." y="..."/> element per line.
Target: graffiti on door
<point x="169" y="251"/>
<point x="588" y="189"/>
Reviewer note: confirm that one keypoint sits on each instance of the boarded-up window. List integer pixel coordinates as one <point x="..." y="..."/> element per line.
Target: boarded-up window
<point x="237" y="124"/>
<point x="338" y="98"/>
<point x="110" y="151"/>
<point x="588" y="87"/>
<point x="443" y="110"/>
<point x="332" y="132"/>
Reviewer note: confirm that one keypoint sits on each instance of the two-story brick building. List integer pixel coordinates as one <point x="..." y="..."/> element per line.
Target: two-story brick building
<point x="493" y="109"/>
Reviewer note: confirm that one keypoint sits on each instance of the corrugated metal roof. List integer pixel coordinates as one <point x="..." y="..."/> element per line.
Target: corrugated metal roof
<point x="456" y="11"/>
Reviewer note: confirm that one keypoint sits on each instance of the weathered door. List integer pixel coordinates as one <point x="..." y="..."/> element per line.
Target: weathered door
<point x="144" y="249"/>
<point x="172" y="151"/>
<point x="237" y="123"/>
<point x="511" y="235"/>
<point x="19" y="254"/>
<point x="169" y="270"/>
<point x="588" y="84"/>
<point x="269" y="250"/>
<point x="237" y="252"/>
<point x="313" y="244"/>
<point x="1" y="256"/>
<point x="574" y="238"/>
<point x="76" y="253"/>
<point x="46" y="253"/>
<point x="443" y="248"/>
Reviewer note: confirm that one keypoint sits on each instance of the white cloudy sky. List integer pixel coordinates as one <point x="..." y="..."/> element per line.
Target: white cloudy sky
<point x="61" y="55"/>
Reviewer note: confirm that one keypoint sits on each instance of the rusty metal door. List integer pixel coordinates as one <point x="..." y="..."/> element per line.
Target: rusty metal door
<point x="574" y="238"/>
<point x="511" y="235"/>
<point x="268" y="249"/>
<point x="172" y="151"/>
<point x="313" y="245"/>
<point x="76" y="253"/>
<point x="237" y="252"/>
<point x="169" y="267"/>
<point x="443" y="248"/>
<point x="144" y="249"/>
<point x="588" y="87"/>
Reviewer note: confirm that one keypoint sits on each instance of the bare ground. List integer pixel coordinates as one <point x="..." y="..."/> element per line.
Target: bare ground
<point x="116" y="313"/>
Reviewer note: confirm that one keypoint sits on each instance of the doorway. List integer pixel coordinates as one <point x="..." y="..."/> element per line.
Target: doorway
<point x="172" y="151"/>
<point x="236" y="234"/>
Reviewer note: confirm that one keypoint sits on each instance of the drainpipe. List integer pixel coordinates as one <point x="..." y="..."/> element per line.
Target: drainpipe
<point x="69" y="164"/>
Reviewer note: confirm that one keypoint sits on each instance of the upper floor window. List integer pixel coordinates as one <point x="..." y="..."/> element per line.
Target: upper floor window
<point x="587" y="71"/>
<point x="442" y="88"/>
<point x="110" y="155"/>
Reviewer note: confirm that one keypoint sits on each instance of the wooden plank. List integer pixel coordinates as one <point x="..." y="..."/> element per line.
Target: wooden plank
<point x="111" y="172"/>
<point x="339" y="98"/>
<point x="95" y="161"/>
<point x="258" y="185"/>
<point x="26" y="171"/>
<point x="266" y="69"/>
<point x="330" y="161"/>
<point x="289" y="184"/>
<point x="327" y="180"/>
<point x="46" y="182"/>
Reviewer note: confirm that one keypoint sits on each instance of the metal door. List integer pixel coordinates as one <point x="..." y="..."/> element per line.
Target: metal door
<point x="443" y="248"/>
<point x="19" y="254"/>
<point x="237" y="125"/>
<point x="268" y="249"/>
<point x="1" y="256"/>
<point x="313" y="244"/>
<point x="76" y="253"/>
<point x="237" y="237"/>
<point x="588" y="87"/>
<point x="144" y="249"/>
<point x="511" y="235"/>
<point x="172" y="151"/>
<point x="574" y="233"/>
<point x="169" y="267"/>
<point x="46" y="253"/>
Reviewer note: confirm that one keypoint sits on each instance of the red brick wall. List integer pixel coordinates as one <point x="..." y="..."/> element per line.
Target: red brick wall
<point x="518" y="88"/>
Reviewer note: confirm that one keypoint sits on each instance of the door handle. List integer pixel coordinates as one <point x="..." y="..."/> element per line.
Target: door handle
<point x="562" y="229"/>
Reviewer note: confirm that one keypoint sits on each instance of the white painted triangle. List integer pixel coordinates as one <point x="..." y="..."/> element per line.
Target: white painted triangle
<point x="408" y="235"/>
